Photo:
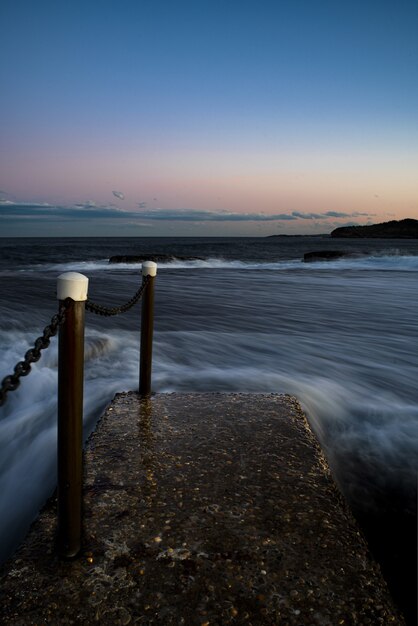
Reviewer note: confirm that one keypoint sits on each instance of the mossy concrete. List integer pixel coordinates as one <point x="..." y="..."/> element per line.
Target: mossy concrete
<point x="202" y="509"/>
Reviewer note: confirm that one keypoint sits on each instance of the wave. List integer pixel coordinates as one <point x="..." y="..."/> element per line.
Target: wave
<point x="364" y="404"/>
<point x="357" y="388"/>
<point x="390" y="262"/>
<point x="28" y="420"/>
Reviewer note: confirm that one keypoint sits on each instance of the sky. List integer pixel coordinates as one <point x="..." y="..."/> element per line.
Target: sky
<point x="206" y="117"/>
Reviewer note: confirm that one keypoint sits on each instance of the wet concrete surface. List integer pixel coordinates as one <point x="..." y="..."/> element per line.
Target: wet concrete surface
<point x="202" y="509"/>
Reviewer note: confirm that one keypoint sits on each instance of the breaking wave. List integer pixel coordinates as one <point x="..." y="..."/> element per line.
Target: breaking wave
<point x="387" y="262"/>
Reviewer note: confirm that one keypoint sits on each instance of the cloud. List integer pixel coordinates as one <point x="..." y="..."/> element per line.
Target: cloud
<point x="90" y="204"/>
<point x="307" y="216"/>
<point x="87" y="210"/>
<point x="91" y="211"/>
<point x="194" y="215"/>
<point x="336" y="214"/>
<point x="327" y="214"/>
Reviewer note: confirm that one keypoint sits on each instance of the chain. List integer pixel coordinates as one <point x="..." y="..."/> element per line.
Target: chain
<point x="108" y="311"/>
<point x="12" y="382"/>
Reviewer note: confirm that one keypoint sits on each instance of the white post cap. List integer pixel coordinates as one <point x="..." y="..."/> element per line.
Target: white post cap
<point x="72" y="285"/>
<point x="149" y="268"/>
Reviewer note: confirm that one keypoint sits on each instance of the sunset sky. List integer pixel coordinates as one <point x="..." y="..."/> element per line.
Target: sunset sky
<point x="201" y="117"/>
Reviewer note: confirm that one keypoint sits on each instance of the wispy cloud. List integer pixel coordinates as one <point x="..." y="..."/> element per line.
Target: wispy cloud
<point x="307" y="216"/>
<point x="327" y="214"/>
<point x="87" y="210"/>
<point x="91" y="211"/>
<point x="195" y="215"/>
<point x="337" y="214"/>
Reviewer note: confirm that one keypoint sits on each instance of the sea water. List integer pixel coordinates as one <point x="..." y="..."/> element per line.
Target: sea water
<point x="241" y="314"/>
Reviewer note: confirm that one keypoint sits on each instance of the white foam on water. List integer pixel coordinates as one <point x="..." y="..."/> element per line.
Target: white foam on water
<point x="389" y="262"/>
<point x="353" y="369"/>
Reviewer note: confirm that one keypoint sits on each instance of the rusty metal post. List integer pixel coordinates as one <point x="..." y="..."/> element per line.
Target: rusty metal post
<point x="147" y="327"/>
<point x="70" y="413"/>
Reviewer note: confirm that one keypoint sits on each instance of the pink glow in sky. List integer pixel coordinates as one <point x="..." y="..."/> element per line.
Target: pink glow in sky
<point x="297" y="113"/>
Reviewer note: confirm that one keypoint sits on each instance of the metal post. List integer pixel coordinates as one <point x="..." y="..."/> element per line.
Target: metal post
<point x="70" y="413"/>
<point x="147" y="326"/>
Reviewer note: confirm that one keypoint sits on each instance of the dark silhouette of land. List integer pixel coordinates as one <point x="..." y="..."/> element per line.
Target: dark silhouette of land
<point x="395" y="229"/>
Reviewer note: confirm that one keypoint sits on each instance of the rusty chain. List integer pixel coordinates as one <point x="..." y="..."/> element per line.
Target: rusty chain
<point x="108" y="311"/>
<point x="12" y="382"/>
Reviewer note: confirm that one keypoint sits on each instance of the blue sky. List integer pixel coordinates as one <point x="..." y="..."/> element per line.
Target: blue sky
<point x="302" y="109"/>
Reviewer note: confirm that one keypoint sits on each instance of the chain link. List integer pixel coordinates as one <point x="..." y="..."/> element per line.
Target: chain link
<point x="12" y="382"/>
<point x="108" y="311"/>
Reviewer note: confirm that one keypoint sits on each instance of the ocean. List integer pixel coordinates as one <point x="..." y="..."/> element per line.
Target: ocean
<point x="233" y="314"/>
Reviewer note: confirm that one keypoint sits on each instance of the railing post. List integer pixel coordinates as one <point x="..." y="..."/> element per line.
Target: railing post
<point x="147" y="326"/>
<point x="70" y="413"/>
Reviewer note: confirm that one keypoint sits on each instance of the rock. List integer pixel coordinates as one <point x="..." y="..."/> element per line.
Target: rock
<point x="323" y="255"/>
<point x="402" y="229"/>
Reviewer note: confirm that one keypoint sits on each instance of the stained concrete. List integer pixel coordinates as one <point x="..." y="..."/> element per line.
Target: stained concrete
<point x="202" y="509"/>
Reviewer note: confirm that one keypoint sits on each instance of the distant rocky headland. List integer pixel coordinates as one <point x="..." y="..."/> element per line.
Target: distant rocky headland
<point x="395" y="229"/>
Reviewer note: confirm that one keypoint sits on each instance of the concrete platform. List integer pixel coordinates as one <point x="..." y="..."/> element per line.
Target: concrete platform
<point x="202" y="509"/>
